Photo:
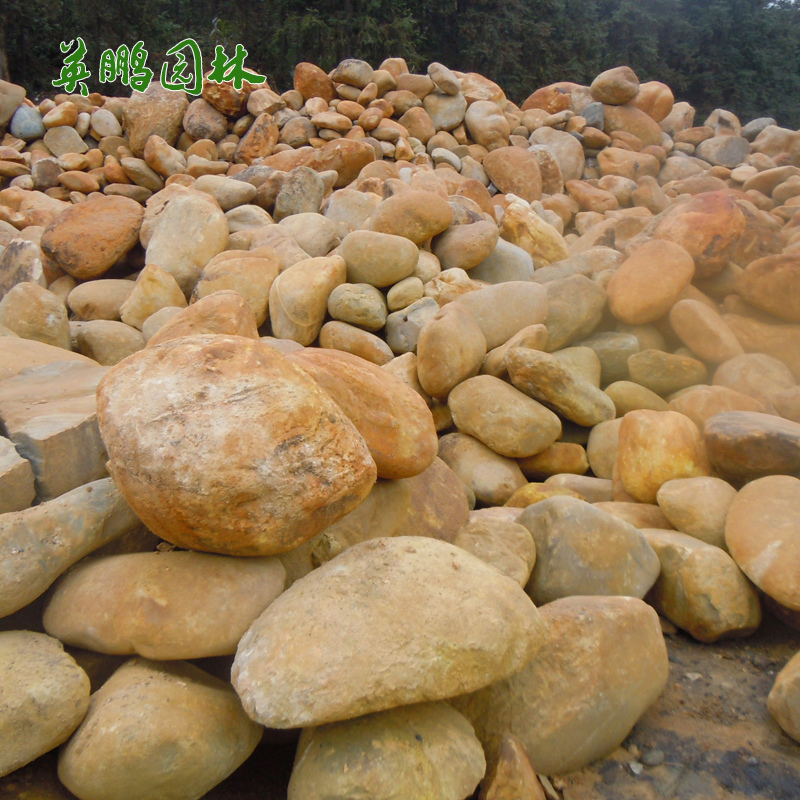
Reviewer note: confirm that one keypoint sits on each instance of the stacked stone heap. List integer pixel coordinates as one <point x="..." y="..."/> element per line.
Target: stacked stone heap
<point x="425" y="409"/>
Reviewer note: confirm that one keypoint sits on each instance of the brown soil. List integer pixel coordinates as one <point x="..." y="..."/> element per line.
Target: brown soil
<point x="711" y="724"/>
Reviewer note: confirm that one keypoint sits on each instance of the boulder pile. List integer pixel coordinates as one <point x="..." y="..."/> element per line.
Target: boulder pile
<point x="421" y="412"/>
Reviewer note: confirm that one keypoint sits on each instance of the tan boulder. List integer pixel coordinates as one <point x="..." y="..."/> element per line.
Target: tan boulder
<point x="502" y="417"/>
<point x="533" y="493"/>
<point x="40" y="543"/>
<point x="700" y="588"/>
<point x="20" y="262"/>
<point x="698" y="507"/>
<point x="378" y="259"/>
<point x="417" y="215"/>
<point x="424" y="751"/>
<point x="615" y="86"/>
<point x="157" y="729"/>
<point x="108" y="341"/>
<point x="703" y="402"/>
<point x="514" y="171"/>
<point x="466" y="246"/>
<point x="224" y="494"/>
<point x="770" y="284"/>
<point x="99" y="299"/>
<point x="44" y="696"/>
<point x="763" y="535"/>
<point x="492" y="478"/>
<point x="513" y="776"/>
<point x="629" y="396"/>
<point x="412" y="657"/>
<point x="608" y="658"/>
<point x="548" y="380"/>
<point x="17" y="490"/>
<point x="583" y="550"/>
<point x="451" y="348"/>
<point x="602" y="447"/>
<point x="640" y="515"/>
<point x="88" y="238"/>
<point x="755" y="374"/>
<point x="658" y="446"/>
<point x="259" y="141"/>
<point x="704" y="331"/>
<point x="784" y="698"/>
<point x="347" y="157"/>
<point x="627" y="164"/>
<point x="649" y="282"/>
<point x="779" y="341"/>
<point x="166" y="606"/>
<point x="393" y="419"/>
<point x="632" y="120"/>
<point x="154" y="289"/>
<point x="566" y="149"/>
<point x="525" y="228"/>
<point x="298" y="298"/>
<point x="575" y="307"/>
<point x="744" y="445"/>
<point x="33" y="312"/>
<point x="655" y="99"/>
<point x="665" y="373"/>
<point x="487" y="125"/>
<point x="312" y="81"/>
<point x="557" y="459"/>
<point x="335" y="335"/>
<point x="155" y="111"/>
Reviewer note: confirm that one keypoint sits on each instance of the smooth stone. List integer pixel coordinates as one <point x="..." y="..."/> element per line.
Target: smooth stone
<point x="502" y="417"/>
<point x="628" y="396"/>
<point x="602" y="447"/>
<point x="492" y="478"/>
<point x="664" y="373"/>
<point x="17" y="489"/>
<point x="724" y="151"/>
<point x="701" y="590"/>
<point x="779" y="341"/>
<point x="506" y="262"/>
<point x="769" y="284"/>
<point x="503" y="543"/>
<point x="575" y="308"/>
<point x="698" y="507"/>
<point x="627" y="164"/>
<point x="188" y="233"/>
<point x="155" y="729"/>
<point x="379" y="259"/>
<point x="302" y="191"/>
<point x="615" y="86"/>
<point x="446" y="110"/>
<point x="565" y="147"/>
<point x="744" y="445"/>
<point x="649" y="282"/>
<point x="358" y="304"/>
<point x="515" y="171"/>
<point x="99" y="299"/>
<point x="17" y="354"/>
<point x="108" y="341"/>
<point x="451" y="348"/>
<point x="298" y="298"/>
<point x="392" y="418"/>
<point x="282" y="680"/>
<point x="583" y="550"/>
<point x="20" y="262"/>
<point x="337" y="335"/>
<point x="64" y="139"/>
<point x="522" y="226"/>
<point x="317" y="235"/>
<point x="546" y="379"/>
<point x="40" y="543"/>
<point x="33" y="312"/>
<point x="533" y="336"/>
<point x="700" y="403"/>
<point x="658" y="446"/>
<point x="227" y="192"/>
<point x="632" y="120"/>
<point x="27" y="124"/>
<point x="613" y="349"/>
<point x="640" y="515"/>
<point x="534" y="493"/>
<point x="225" y="312"/>
<point x="157" y="111"/>
<point x="87" y="239"/>
<point x="404" y="293"/>
<point x="153" y="290"/>
<point x="417" y="215"/>
<point x="512" y="777"/>
<point x="487" y="125"/>
<point x="403" y="327"/>
<point x="205" y="603"/>
<point x="424" y="750"/>
<point x="202" y="121"/>
<point x="466" y="246"/>
<point x="158" y="450"/>
<point x="704" y="331"/>
<point x="609" y="658"/>
<point x="559" y="459"/>
<point x="783" y="701"/>
<point x="43" y="697"/>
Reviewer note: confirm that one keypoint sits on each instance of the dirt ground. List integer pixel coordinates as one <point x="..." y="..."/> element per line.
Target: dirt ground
<point x="708" y="737"/>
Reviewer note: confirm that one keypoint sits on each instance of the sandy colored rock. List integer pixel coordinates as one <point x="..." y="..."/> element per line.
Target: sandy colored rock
<point x="602" y="447"/>
<point x="43" y="697"/>
<point x="298" y="298"/>
<point x="701" y="590"/>
<point x="166" y="606"/>
<point x="415" y="214"/>
<point x="224" y="312"/>
<point x="704" y="331"/>
<point x="627" y="164"/>
<point x="649" y="282"/>
<point x="502" y="417"/>
<point x="155" y="111"/>
<point x="107" y="341"/>
<point x="525" y="228"/>
<point x="425" y="751"/>
<point x="487" y="125"/>
<point x="615" y="86"/>
<point x="566" y="149"/>
<point x="533" y="493"/>
<point x="99" y="299"/>
<point x="664" y="373"/>
<point x="698" y="507"/>
<point x="33" y="312"/>
<point x="703" y="402"/>
<point x="574" y="309"/>
<point x="379" y="259"/>
<point x="640" y="515"/>
<point x="744" y="445"/>
<point x="492" y="478"/>
<point x="581" y="549"/>
<point x="769" y="284"/>
<point x="632" y="120"/>
<point x="544" y="378"/>
<point x="779" y="341"/>
<point x="189" y="232"/>
<point x="40" y="543"/>
<point x="154" y="289"/>
<point x="451" y="348"/>
<point x="20" y="262"/>
<point x="507" y="262"/>
<point x="358" y="304"/>
<point x="504" y="544"/>
<point x="249" y="275"/>
<point x="515" y="171"/>
<point x="86" y="239"/>
<point x="628" y="396"/>
<point x="658" y="446"/>
<point x="335" y="335"/>
<point x="166" y="729"/>
<point x="282" y="681"/>
<point x="783" y="701"/>
<point x="757" y="375"/>
<point x="391" y="417"/>
<point x="17" y="491"/>
<point x="246" y="503"/>
<point x="316" y="234"/>
<point x="466" y="246"/>
<point x="558" y="458"/>
<point x="608" y="659"/>
<point x="513" y="776"/>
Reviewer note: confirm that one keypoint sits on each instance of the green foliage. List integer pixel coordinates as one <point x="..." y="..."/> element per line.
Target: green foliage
<point x="743" y="55"/>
